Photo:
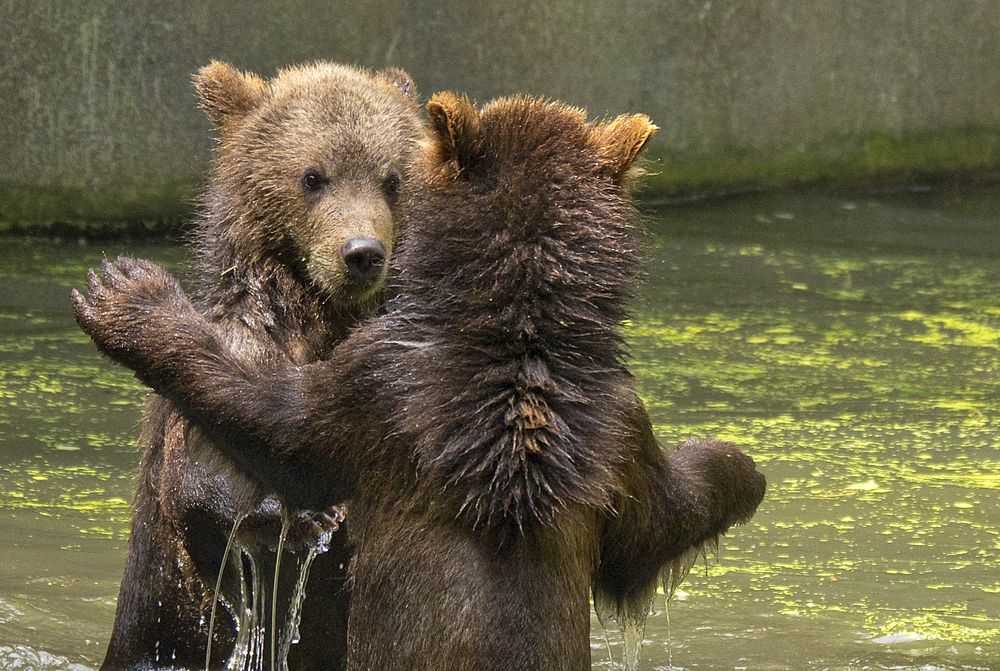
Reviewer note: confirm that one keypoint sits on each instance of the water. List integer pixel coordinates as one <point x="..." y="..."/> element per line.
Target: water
<point x="851" y="343"/>
<point x="290" y="628"/>
<point x="238" y="610"/>
<point x="247" y="612"/>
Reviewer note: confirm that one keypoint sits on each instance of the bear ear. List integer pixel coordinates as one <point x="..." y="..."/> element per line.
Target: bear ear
<point x="618" y="142"/>
<point x="401" y="80"/>
<point x="455" y="121"/>
<point x="226" y="93"/>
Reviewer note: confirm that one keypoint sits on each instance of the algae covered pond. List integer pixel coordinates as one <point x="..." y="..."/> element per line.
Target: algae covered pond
<point x="851" y="343"/>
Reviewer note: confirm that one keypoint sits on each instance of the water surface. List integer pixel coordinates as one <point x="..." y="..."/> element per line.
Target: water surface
<point x="850" y="343"/>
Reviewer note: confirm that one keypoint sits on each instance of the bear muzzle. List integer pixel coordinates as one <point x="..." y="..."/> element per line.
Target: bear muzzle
<point x="363" y="258"/>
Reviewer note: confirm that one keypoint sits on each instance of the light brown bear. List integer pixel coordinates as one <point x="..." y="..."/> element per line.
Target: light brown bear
<point x="296" y="228"/>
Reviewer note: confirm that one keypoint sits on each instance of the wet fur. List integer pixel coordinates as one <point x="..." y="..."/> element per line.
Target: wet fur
<point x="501" y="463"/>
<point x="250" y="283"/>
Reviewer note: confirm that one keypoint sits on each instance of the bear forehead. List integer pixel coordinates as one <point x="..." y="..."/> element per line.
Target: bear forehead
<point x="329" y="116"/>
<point x="365" y="113"/>
<point x="330" y="85"/>
<point x="369" y="138"/>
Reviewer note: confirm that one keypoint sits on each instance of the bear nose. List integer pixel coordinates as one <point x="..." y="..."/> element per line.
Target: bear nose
<point x="363" y="258"/>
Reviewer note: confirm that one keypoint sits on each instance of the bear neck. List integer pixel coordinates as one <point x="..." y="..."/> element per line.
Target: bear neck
<point x="525" y="308"/>
<point x="553" y="284"/>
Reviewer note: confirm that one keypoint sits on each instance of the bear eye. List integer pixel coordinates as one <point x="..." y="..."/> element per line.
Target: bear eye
<point x="391" y="185"/>
<point x="312" y="180"/>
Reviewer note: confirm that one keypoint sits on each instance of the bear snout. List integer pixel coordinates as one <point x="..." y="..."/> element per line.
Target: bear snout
<point x="363" y="258"/>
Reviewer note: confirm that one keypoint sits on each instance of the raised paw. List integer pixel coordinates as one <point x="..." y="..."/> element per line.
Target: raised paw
<point x="730" y="483"/>
<point x="122" y="301"/>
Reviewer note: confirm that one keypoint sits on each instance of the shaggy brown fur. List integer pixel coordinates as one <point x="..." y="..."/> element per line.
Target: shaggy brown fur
<point x="272" y="278"/>
<point x="501" y="463"/>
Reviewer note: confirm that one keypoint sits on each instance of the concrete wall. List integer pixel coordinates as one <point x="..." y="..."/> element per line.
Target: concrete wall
<point x="98" y="117"/>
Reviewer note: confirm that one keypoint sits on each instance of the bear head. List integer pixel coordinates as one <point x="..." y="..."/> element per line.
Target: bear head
<point x="310" y="169"/>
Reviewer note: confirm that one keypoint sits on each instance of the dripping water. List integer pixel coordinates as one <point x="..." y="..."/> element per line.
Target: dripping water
<point x="241" y="615"/>
<point x="218" y="588"/>
<point x="290" y="631"/>
<point x="249" y="606"/>
<point x="632" y="626"/>
<point x="256" y="643"/>
<point x="674" y="574"/>
<point x="285" y="523"/>
<point x="632" y="631"/>
<point x="670" y="641"/>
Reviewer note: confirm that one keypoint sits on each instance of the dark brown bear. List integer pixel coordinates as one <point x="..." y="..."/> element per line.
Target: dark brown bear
<point x="500" y="462"/>
<point x="298" y="222"/>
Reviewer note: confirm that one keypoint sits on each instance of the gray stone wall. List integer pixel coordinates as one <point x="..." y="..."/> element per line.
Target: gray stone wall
<point x="98" y="116"/>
